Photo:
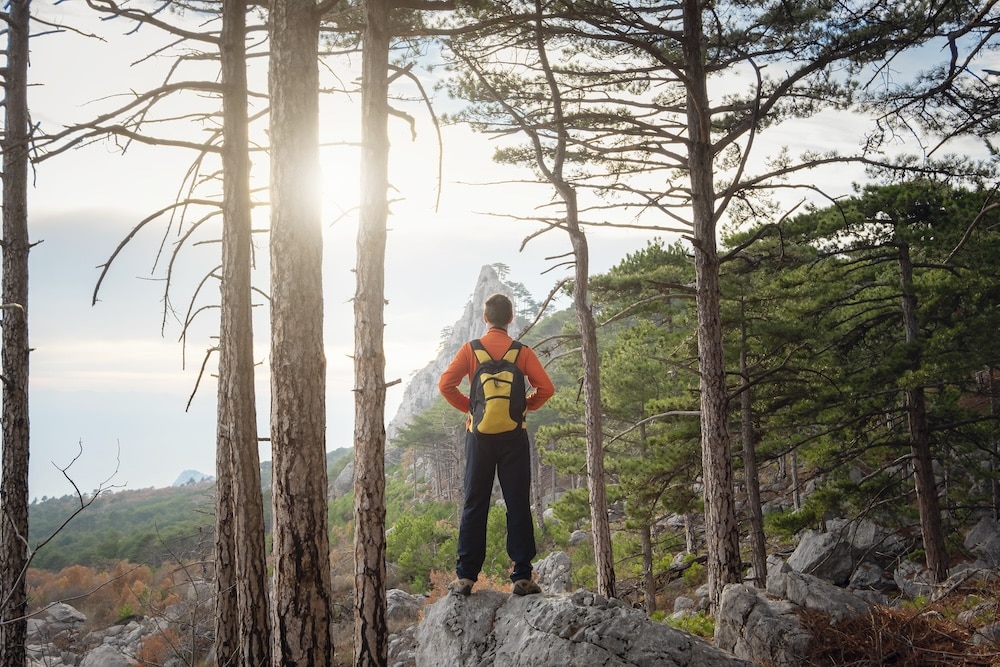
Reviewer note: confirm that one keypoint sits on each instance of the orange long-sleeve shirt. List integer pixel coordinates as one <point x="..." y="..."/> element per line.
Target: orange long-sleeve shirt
<point x="496" y="341"/>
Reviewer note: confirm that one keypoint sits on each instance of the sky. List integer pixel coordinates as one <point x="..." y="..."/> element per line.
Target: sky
<point x="116" y="398"/>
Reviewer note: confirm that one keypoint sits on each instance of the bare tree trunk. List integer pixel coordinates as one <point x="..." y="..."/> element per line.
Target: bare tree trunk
<point x="995" y="413"/>
<point x="227" y="629"/>
<point x="721" y="530"/>
<point x="16" y="244"/>
<point x="648" y="580"/>
<point x="537" y="493"/>
<point x="302" y="599"/>
<point x="936" y="554"/>
<point x="758" y="548"/>
<point x="597" y="493"/>
<point x="371" y="635"/>
<point x="690" y="536"/>
<point x="600" y="527"/>
<point x="242" y="624"/>
<point x="796" y="493"/>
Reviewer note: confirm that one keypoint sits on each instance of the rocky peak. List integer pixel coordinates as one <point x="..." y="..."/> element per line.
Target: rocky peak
<point x="421" y="391"/>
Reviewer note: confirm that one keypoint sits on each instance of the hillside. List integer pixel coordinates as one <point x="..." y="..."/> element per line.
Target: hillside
<point x="146" y="526"/>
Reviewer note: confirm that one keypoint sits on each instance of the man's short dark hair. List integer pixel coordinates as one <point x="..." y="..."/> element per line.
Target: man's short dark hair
<point x="498" y="310"/>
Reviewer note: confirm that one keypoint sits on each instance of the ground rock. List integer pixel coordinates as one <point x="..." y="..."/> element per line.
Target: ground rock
<point x="913" y="579"/>
<point x="553" y="572"/>
<point x="403" y="607"/>
<point x="492" y="629"/>
<point x="984" y="542"/>
<point x="834" y="554"/>
<point x="105" y="655"/>
<point x="806" y="590"/>
<point x="764" y="631"/>
<point x="66" y="614"/>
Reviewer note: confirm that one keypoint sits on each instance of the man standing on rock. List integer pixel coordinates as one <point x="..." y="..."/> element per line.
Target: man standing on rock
<point x="506" y="455"/>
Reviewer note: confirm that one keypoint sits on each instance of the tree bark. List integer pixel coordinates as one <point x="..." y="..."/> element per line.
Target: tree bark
<point x="14" y="483"/>
<point x="371" y="635"/>
<point x="758" y="548"/>
<point x="597" y="492"/>
<point x="648" y="580"/>
<point x="242" y="623"/>
<point x="302" y="600"/>
<point x="721" y="530"/>
<point x="936" y="555"/>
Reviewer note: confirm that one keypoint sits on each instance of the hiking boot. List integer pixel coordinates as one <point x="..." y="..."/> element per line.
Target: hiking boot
<point x="461" y="587"/>
<point x="526" y="587"/>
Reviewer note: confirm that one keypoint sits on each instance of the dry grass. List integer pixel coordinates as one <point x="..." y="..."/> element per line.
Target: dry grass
<point x="936" y="633"/>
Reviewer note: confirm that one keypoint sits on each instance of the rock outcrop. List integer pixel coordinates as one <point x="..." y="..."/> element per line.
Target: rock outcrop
<point x="495" y="629"/>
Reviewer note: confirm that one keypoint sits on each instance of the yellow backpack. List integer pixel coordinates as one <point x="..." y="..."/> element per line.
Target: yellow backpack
<point x="497" y="398"/>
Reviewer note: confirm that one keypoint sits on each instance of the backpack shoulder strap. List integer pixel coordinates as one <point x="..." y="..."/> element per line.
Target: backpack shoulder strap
<point x="512" y="352"/>
<point x="481" y="354"/>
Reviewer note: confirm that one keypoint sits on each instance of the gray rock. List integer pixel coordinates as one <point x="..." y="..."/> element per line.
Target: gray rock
<point x="490" y="628"/>
<point x="105" y="655"/>
<point x="553" y="572"/>
<point x="764" y="631"/>
<point x="578" y="537"/>
<point x="870" y="577"/>
<point x="983" y="541"/>
<point x="913" y="579"/>
<point x="833" y="555"/>
<point x="344" y="482"/>
<point x="987" y="636"/>
<point x="805" y="590"/>
<point x="684" y="604"/>
<point x="403" y="648"/>
<point x="61" y="612"/>
<point x="402" y="607"/>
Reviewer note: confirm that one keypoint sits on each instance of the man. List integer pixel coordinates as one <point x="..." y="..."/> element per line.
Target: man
<point x="508" y="458"/>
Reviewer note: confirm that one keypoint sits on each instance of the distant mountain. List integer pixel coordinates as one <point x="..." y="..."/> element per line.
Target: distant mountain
<point x="192" y="477"/>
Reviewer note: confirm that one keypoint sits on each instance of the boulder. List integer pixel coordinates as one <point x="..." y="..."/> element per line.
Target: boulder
<point x="913" y="579"/>
<point x="810" y="592"/>
<point x="764" y="631"/>
<point x="492" y="628"/>
<point x="105" y="655"/>
<point x="983" y="541"/>
<point x="65" y="614"/>
<point x="402" y="607"/>
<point x="833" y="555"/>
<point x="553" y="572"/>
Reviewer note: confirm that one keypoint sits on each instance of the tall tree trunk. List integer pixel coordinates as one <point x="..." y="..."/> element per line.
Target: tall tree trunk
<point x="721" y="530"/>
<point x="227" y="628"/>
<point x="648" y="580"/>
<point x="242" y="624"/>
<point x="302" y="600"/>
<point x="371" y="635"/>
<point x="597" y="492"/>
<point x="758" y="549"/>
<point x="928" y="504"/>
<point x="603" y="557"/>
<point x="995" y="413"/>
<point x="15" y="429"/>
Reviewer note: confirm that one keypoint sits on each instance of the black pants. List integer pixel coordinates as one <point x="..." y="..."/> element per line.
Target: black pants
<point x="510" y="462"/>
